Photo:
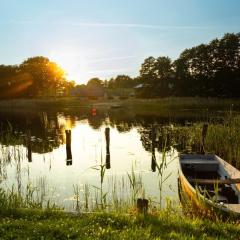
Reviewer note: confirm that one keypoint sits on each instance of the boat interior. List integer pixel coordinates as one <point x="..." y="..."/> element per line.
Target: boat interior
<point x="203" y="171"/>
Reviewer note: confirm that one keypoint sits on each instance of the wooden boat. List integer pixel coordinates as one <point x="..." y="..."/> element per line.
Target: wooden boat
<point x="117" y="106"/>
<point x="210" y="183"/>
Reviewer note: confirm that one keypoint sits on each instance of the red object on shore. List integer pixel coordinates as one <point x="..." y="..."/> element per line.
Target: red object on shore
<point x="94" y="111"/>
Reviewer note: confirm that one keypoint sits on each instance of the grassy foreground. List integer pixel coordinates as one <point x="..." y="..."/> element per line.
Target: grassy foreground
<point x="29" y="224"/>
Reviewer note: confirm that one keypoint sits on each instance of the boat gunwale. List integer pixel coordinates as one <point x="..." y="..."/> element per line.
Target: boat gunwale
<point x="219" y="206"/>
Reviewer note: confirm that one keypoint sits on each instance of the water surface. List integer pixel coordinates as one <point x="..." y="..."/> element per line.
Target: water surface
<point x="35" y="151"/>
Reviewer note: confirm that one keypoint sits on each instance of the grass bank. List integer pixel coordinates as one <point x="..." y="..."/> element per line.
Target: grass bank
<point x="29" y="224"/>
<point x="137" y="104"/>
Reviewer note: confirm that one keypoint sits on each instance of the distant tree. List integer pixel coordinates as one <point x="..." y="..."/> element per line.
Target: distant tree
<point x="13" y="83"/>
<point x="80" y="90"/>
<point x="210" y="69"/>
<point x="68" y="86"/>
<point x="157" y="77"/>
<point x="121" y="81"/>
<point x="7" y="74"/>
<point x="95" y="82"/>
<point x="36" y="76"/>
<point x="46" y="76"/>
<point x="95" y="88"/>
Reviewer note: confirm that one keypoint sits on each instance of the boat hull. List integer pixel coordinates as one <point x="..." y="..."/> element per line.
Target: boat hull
<point x="191" y="198"/>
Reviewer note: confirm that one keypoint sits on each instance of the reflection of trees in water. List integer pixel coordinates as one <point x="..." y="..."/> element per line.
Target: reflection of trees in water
<point x="183" y="138"/>
<point x="46" y="130"/>
<point x="155" y="137"/>
<point x="96" y="121"/>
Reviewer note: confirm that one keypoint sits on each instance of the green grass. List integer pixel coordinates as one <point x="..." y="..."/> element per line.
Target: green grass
<point x="29" y="224"/>
<point x="137" y="104"/>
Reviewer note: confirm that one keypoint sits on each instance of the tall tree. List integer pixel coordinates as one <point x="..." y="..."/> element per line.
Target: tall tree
<point x="210" y="69"/>
<point x="46" y="76"/>
<point x="95" y="88"/>
<point x="157" y="77"/>
<point x="121" y="81"/>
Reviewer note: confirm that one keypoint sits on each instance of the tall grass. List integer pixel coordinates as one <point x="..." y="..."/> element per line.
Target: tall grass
<point x="136" y="185"/>
<point x="223" y="138"/>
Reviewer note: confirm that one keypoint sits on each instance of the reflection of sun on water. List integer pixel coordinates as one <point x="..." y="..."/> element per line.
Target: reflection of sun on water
<point x="65" y="124"/>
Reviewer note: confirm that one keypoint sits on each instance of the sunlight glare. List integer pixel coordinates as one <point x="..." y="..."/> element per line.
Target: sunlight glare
<point x="73" y="64"/>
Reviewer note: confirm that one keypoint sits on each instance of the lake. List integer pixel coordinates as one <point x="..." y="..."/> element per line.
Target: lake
<point x="34" y="153"/>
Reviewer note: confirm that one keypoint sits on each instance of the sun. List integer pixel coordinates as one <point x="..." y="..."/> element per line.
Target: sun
<point x="73" y="65"/>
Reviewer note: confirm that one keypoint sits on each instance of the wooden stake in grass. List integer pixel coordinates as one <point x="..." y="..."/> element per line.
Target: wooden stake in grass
<point x="142" y="205"/>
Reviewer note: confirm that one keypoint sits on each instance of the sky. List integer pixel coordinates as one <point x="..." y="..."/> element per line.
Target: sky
<point x="106" y="38"/>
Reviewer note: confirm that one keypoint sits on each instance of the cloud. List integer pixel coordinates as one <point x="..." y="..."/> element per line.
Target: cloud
<point x="133" y="25"/>
<point x="107" y="59"/>
<point x="110" y="25"/>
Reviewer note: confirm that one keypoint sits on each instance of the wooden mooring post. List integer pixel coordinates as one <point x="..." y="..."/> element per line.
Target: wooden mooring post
<point x="107" y="137"/>
<point x="142" y="205"/>
<point x="68" y="147"/>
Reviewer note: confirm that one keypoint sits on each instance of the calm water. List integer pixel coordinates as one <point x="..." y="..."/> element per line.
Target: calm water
<point x="49" y="166"/>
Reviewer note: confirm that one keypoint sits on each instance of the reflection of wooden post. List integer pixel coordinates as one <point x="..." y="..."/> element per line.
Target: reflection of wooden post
<point x="153" y="135"/>
<point x="142" y="205"/>
<point x="107" y="136"/>
<point x="68" y="147"/>
<point x="68" y="137"/>
<point x="108" y="163"/>
<point x="29" y="147"/>
<point x="153" y="165"/>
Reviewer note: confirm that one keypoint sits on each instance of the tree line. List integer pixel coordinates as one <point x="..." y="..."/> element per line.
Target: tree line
<point x="36" y="76"/>
<point x="207" y="70"/>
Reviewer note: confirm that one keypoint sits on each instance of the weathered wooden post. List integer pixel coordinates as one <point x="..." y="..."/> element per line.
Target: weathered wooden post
<point x="153" y="136"/>
<point x="68" y="147"/>
<point x="142" y="205"/>
<point x="107" y="137"/>
<point x="204" y="134"/>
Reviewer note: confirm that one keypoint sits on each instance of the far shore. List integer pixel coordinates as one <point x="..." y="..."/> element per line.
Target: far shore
<point x="138" y="105"/>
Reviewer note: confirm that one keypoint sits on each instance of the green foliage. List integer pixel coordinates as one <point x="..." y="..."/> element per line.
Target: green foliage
<point x="93" y="89"/>
<point x="57" y="225"/>
<point x="205" y="70"/>
<point x="156" y="75"/>
<point x="36" y="76"/>
<point x="121" y="81"/>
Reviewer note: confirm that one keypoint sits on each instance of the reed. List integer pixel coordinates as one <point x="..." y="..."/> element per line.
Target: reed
<point x="101" y="168"/>
<point x="135" y="184"/>
<point x="223" y="137"/>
